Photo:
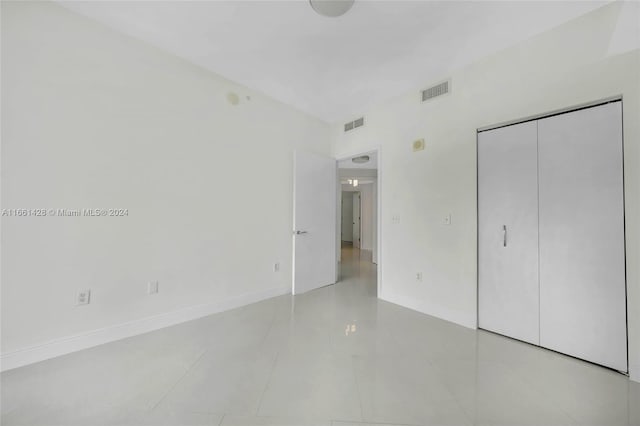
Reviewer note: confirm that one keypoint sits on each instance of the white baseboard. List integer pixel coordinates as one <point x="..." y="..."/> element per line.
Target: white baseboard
<point x="69" y="344"/>
<point x="455" y="317"/>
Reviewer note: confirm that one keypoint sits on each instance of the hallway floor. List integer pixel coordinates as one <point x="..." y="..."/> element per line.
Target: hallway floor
<point x="335" y="356"/>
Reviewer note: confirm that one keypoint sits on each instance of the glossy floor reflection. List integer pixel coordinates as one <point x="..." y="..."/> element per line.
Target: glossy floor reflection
<point x="334" y="356"/>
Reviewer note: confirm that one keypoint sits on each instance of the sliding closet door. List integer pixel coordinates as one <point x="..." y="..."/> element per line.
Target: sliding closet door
<point x="582" y="270"/>
<point x="508" y="231"/>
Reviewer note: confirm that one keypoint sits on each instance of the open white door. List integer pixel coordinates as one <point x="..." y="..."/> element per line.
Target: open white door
<point x="314" y="221"/>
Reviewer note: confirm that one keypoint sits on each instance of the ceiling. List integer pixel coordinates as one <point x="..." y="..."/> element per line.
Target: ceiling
<point x="332" y="68"/>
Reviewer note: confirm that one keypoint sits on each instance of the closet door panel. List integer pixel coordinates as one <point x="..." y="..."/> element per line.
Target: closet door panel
<point x="582" y="270"/>
<point x="507" y="231"/>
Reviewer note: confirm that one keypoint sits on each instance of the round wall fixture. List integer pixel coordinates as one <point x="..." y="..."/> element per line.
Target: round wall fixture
<point x="331" y="8"/>
<point x="233" y="98"/>
<point x="360" y="160"/>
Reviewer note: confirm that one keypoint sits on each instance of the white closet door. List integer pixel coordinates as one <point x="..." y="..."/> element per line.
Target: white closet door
<point x="582" y="270"/>
<point x="508" y="231"/>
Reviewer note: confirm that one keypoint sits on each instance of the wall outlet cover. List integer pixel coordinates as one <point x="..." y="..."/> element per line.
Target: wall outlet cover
<point x="83" y="297"/>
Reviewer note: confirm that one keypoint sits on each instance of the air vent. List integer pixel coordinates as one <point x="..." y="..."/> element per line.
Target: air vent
<point x="437" y="90"/>
<point x="354" y="124"/>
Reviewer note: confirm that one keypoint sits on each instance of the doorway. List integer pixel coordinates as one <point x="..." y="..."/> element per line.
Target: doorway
<point x="318" y="183"/>
<point x="358" y="211"/>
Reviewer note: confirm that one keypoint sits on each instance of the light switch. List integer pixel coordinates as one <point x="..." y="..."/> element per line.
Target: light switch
<point x="447" y="219"/>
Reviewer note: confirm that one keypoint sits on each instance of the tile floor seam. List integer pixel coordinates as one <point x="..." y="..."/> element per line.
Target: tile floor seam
<point x="355" y="377"/>
<point x="266" y="387"/>
<point x="6" y="413"/>
<point x="172" y="387"/>
<point x="222" y="419"/>
<point x="272" y="322"/>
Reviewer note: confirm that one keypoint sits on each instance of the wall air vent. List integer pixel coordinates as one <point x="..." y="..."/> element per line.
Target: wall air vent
<point x="354" y="124"/>
<point x="437" y="90"/>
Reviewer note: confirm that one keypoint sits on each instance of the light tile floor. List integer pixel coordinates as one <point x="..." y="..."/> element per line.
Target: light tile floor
<point x="335" y="356"/>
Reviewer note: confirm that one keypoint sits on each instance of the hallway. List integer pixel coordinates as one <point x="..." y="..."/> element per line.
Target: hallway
<point x="335" y="356"/>
<point x="356" y="269"/>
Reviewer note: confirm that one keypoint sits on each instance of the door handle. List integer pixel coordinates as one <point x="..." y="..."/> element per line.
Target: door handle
<point x="299" y="232"/>
<point x="504" y="235"/>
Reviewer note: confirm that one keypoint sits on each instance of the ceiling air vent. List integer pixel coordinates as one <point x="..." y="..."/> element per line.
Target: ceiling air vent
<point x="437" y="90"/>
<point x="354" y="124"/>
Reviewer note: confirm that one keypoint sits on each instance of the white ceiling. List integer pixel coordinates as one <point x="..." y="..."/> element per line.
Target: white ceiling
<point x="332" y="67"/>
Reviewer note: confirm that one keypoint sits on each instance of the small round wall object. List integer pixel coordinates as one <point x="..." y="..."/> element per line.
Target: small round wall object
<point x="233" y="98"/>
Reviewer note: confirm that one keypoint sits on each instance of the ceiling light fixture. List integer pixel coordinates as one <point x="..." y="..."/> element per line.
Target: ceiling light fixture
<point x="360" y="160"/>
<point x="331" y="8"/>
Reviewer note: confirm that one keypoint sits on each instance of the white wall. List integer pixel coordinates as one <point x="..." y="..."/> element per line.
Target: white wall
<point x="368" y="206"/>
<point x="581" y="61"/>
<point x="347" y="216"/>
<point x="95" y="119"/>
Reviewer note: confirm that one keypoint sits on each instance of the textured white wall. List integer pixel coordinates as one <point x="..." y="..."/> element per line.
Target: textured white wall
<point x="367" y="216"/>
<point x="581" y="61"/>
<point x="95" y="119"/>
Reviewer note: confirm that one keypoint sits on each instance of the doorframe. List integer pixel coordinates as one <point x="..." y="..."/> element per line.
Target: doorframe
<point x="378" y="207"/>
<point x="359" y="194"/>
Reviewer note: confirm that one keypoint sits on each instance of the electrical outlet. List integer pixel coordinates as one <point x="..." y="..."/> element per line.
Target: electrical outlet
<point x="418" y="276"/>
<point x="83" y="298"/>
<point x="447" y="219"/>
<point x="153" y="287"/>
<point x="276" y="267"/>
